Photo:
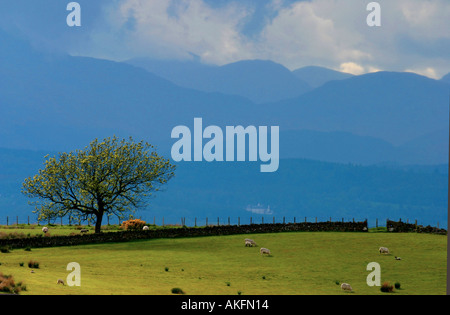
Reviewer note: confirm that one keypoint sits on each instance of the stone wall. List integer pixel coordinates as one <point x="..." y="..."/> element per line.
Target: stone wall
<point x="124" y="236"/>
<point x="393" y="226"/>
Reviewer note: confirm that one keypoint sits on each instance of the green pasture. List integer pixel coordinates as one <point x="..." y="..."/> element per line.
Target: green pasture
<point x="301" y="263"/>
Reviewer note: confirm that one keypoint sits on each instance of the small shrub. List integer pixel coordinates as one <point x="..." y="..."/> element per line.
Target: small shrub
<point x="33" y="264"/>
<point x="177" y="291"/>
<point x="4" y="249"/>
<point x="239" y="292"/>
<point x="166" y="268"/>
<point x="387" y="287"/>
<point x="228" y="284"/>
<point x="21" y="264"/>
<point x="27" y="249"/>
<point x="7" y="285"/>
<point x="397" y="285"/>
<point x="133" y="225"/>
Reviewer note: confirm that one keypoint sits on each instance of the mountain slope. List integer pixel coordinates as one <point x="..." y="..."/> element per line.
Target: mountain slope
<point x="395" y="107"/>
<point x="446" y="78"/>
<point x="57" y="102"/>
<point x="301" y="188"/>
<point x="318" y="76"/>
<point x="258" y="80"/>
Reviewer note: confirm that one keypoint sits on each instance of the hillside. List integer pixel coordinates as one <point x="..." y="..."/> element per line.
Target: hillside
<point x="260" y="81"/>
<point x="59" y="102"/>
<point x="318" y="76"/>
<point x="301" y="263"/>
<point x="300" y="188"/>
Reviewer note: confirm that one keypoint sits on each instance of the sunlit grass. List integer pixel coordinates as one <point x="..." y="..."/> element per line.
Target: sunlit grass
<point x="301" y="263"/>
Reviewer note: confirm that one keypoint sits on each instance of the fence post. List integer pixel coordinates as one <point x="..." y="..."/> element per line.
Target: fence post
<point x="294" y="220"/>
<point x="7" y="221"/>
<point x="195" y="222"/>
<point x="376" y="224"/>
<point x="17" y="220"/>
<point x="218" y="224"/>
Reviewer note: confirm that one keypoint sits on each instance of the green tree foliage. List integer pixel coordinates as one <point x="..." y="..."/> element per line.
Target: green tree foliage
<point x="114" y="177"/>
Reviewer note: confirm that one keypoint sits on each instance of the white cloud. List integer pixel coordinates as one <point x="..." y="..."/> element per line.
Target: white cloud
<point x="414" y="33"/>
<point x="428" y="72"/>
<point x="175" y="29"/>
<point x="351" y="67"/>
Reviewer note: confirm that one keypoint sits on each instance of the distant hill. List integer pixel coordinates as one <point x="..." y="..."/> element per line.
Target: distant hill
<point x="395" y="107"/>
<point x="345" y="147"/>
<point x="446" y="78"/>
<point x="259" y="81"/>
<point x="317" y="76"/>
<point x="59" y="102"/>
<point x="301" y="188"/>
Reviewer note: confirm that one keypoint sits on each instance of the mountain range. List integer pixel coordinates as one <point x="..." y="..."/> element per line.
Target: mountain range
<point x="56" y="102"/>
<point x="59" y="102"/>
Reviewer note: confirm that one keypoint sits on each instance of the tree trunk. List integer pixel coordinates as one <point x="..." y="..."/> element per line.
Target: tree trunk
<point x="98" y="223"/>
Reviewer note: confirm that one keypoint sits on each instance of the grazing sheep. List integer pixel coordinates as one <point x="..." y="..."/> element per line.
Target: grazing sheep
<point x="383" y="250"/>
<point x="45" y="229"/>
<point x="397" y="258"/>
<point x="264" y="251"/>
<point x="249" y="242"/>
<point x="145" y="228"/>
<point x="346" y="287"/>
<point x="84" y="231"/>
<point x="60" y="281"/>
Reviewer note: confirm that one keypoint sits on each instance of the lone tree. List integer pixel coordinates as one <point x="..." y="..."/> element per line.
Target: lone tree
<point x="114" y="177"/>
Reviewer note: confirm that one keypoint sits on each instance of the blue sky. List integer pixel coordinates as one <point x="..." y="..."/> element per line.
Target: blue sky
<point x="414" y="35"/>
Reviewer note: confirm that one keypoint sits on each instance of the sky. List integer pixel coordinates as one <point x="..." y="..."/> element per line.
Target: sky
<point x="414" y="34"/>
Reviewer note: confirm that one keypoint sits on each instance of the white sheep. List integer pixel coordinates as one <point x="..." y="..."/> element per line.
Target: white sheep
<point x="398" y="258"/>
<point x="249" y="242"/>
<point x="383" y="250"/>
<point x="264" y="251"/>
<point x="45" y="229"/>
<point x="346" y="287"/>
<point x="145" y="228"/>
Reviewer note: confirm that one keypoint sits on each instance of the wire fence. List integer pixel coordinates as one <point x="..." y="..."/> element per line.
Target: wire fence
<point x="11" y="221"/>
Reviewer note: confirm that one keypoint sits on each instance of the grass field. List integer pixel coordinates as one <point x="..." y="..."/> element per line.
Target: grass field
<point x="301" y="263"/>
